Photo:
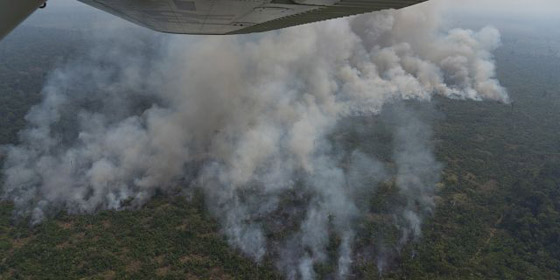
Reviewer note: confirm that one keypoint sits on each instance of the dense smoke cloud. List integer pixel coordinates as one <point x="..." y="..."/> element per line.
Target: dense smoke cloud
<point x="248" y="120"/>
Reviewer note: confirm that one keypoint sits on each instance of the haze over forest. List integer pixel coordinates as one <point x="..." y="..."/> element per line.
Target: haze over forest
<point x="415" y="144"/>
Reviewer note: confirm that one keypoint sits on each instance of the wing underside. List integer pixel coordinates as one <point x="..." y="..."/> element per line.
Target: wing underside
<point x="237" y="16"/>
<point x="13" y="12"/>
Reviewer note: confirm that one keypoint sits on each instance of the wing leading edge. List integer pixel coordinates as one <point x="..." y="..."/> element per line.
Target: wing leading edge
<point x="237" y="16"/>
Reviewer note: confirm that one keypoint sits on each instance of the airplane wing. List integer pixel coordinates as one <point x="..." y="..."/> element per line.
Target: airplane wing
<point x="13" y="12"/>
<point x="212" y="16"/>
<point x="237" y="16"/>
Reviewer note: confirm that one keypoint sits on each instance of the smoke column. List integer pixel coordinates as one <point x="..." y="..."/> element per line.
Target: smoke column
<point x="248" y="121"/>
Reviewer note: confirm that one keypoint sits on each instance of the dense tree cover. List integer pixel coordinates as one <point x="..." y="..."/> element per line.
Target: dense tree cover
<point x="497" y="214"/>
<point x="168" y="238"/>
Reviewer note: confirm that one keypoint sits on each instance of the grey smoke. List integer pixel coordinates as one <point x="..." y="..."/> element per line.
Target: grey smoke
<point x="249" y="121"/>
<point x="417" y="172"/>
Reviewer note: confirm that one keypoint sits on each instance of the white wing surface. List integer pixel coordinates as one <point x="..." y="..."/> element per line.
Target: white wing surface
<point x="212" y="16"/>
<point x="237" y="16"/>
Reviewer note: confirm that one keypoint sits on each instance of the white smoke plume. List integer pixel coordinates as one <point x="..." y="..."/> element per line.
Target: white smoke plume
<point x="248" y="120"/>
